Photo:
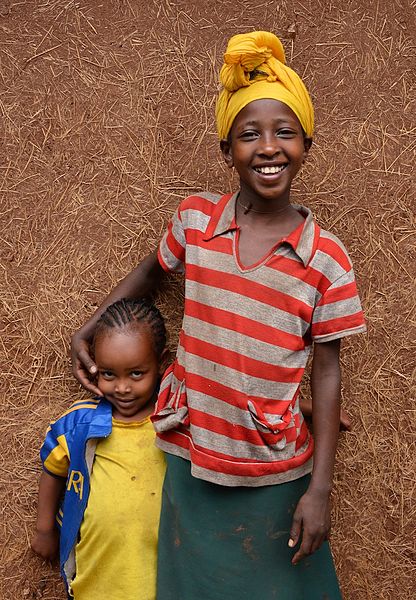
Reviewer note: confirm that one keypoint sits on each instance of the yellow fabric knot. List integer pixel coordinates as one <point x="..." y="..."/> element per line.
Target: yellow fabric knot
<point x="254" y="69"/>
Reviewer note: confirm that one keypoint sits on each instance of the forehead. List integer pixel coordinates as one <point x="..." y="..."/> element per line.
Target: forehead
<point x="123" y="345"/>
<point x="266" y="111"/>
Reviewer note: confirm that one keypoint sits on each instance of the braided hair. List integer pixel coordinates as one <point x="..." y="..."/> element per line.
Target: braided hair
<point x="127" y="313"/>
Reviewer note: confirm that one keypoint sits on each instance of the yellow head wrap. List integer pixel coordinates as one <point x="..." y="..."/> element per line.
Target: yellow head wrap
<point x="254" y="69"/>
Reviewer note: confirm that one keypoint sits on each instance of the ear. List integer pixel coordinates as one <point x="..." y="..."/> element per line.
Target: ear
<point x="307" y="143"/>
<point x="164" y="361"/>
<point x="225" y="146"/>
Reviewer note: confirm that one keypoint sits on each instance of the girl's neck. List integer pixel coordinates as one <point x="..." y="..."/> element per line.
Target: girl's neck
<point x="140" y="415"/>
<point x="250" y="203"/>
<point x="265" y="214"/>
<point x="250" y="208"/>
<point x="260" y="232"/>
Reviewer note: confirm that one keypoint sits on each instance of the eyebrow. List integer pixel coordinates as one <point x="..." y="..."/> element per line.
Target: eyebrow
<point x="252" y="122"/>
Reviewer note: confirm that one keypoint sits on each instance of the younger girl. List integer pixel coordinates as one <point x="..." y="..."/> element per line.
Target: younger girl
<point x="101" y="453"/>
<point x="246" y="495"/>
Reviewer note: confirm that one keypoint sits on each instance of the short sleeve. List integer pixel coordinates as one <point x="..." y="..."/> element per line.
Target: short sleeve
<point x="171" y="252"/>
<point x="338" y="312"/>
<point x="54" y="454"/>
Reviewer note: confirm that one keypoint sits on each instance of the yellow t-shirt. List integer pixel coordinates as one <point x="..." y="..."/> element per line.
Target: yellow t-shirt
<point x="117" y="550"/>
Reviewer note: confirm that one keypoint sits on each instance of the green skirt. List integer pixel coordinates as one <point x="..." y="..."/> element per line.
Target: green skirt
<point x="225" y="543"/>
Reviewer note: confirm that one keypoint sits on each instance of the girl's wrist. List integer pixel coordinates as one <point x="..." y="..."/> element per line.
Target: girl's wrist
<point x="85" y="332"/>
<point x="45" y="530"/>
<point x="320" y="488"/>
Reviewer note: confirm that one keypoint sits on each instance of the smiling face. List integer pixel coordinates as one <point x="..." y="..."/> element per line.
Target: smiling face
<point x="267" y="147"/>
<point x="128" y="371"/>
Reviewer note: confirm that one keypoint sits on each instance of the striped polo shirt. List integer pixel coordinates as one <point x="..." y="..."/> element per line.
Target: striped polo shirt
<point x="230" y="401"/>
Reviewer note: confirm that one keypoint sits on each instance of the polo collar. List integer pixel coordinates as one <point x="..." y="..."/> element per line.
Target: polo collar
<point x="223" y="217"/>
<point x="303" y="240"/>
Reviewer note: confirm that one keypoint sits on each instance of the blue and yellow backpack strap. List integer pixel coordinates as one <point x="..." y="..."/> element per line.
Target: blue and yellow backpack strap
<point x="55" y="453"/>
<point x="68" y="452"/>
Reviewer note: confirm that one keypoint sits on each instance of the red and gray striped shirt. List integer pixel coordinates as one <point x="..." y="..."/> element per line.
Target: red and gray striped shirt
<point x="230" y="401"/>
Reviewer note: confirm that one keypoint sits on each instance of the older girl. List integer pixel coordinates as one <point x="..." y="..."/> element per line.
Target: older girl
<point x="246" y="500"/>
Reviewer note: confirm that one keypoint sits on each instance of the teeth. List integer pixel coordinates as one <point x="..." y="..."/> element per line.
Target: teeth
<point x="270" y="170"/>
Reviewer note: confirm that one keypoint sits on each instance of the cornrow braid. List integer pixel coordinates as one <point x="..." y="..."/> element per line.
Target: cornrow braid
<point x="128" y="311"/>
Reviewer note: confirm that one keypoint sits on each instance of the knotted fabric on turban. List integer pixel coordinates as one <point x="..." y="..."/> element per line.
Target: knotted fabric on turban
<point x="254" y="69"/>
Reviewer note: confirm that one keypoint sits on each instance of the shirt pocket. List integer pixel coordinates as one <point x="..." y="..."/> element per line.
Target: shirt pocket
<point x="270" y="427"/>
<point x="171" y="410"/>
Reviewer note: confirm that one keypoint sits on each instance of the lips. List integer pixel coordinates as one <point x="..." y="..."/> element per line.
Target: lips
<point x="270" y="169"/>
<point x="124" y="400"/>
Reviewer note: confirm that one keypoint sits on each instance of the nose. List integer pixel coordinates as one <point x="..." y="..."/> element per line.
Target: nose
<point x="122" y="386"/>
<point x="269" y="145"/>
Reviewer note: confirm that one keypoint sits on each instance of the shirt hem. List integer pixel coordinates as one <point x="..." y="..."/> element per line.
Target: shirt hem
<point x="339" y="334"/>
<point x="236" y="480"/>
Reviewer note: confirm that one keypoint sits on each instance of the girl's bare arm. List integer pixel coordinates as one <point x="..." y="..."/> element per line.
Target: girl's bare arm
<point x="142" y="281"/>
<point x="45" y="541"/>
<point x="312" y="515"/>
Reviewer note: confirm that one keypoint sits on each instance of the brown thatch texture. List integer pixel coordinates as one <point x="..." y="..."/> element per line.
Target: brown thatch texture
<point x="107" y="121"/>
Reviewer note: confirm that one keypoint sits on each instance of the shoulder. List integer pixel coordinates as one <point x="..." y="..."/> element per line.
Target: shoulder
<point x="200" y="201"/>
<point x="80" y="412"/>
<point x="195" y="212"/>
<point x="334" y="247"/>
<point x="331" y="257"/>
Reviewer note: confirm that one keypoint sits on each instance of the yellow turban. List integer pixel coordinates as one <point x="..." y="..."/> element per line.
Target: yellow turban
<point x="254" y="69"/>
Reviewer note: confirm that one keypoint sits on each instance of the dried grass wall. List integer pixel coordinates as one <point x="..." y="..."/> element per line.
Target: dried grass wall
<point x="107" y="122"/>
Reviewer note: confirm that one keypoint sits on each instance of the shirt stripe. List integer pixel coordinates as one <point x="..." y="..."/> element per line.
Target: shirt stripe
<point x="230" y="401"/>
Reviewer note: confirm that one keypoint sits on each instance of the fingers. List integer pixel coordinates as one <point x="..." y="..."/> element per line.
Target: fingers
<point x="83" y="356"/>
<point x="83" y="367"/>
<point x="87" y="384"/>
<point x="304" y="550"/>
<point x="317" y="543"/>
<point x="345" y="421"/>
<point x="45" y="545"/>
<point x="310" y="543"/>
<point x="295" y="530"/>
<point x="82" y="376"/>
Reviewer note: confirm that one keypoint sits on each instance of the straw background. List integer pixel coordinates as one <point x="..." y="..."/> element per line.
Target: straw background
<point x="106" y="123"/>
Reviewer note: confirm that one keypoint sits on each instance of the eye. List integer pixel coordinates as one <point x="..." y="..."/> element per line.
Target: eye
<point x="285" y="132"/>
<point x="136" y="374"/>
<point x="248" y="134"/>
<point x="108" y="375"/>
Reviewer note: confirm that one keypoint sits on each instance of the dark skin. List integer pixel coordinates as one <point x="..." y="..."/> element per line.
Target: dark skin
<point x="312" y="519"/>
<point x="128" y="369"/>
<point x="267" y="147"/>
<point x="257" y="236"/>
<point x="45" y="541"/>
<point x="142" y="281"/>
<point x="263" y="211"/>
